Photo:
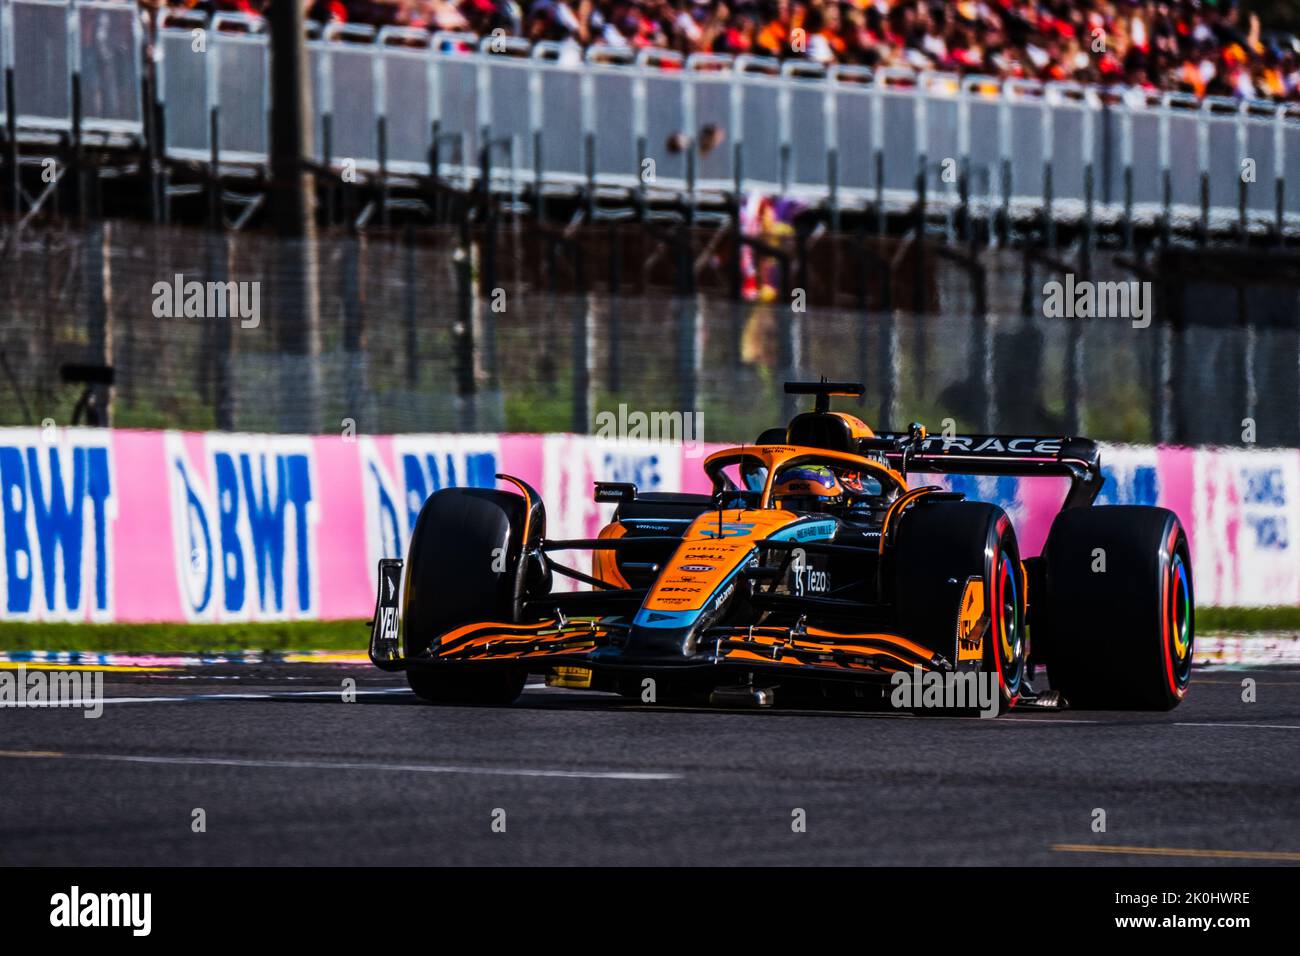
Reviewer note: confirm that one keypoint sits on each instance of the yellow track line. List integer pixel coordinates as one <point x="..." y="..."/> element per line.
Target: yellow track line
<point x="30" y="753"/>
<point x="1177" y="851"/>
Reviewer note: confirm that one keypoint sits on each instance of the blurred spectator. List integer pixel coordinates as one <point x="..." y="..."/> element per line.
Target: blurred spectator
<point x="1204" y="47"/>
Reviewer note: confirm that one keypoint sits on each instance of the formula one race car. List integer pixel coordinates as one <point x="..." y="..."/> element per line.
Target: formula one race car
<point x="812" y="571"/>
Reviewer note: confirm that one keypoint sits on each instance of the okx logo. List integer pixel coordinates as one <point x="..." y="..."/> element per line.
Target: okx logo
<point x="243" y="526"/>
<point x="58" y="508"/>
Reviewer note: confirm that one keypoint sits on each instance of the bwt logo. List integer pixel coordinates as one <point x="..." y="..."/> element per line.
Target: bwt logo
<point x="58" y="510"/>
<point x="1001" y="490"/>
<point x="244" y="529"/>
<point x="423" y="466"/>
<point x="1129" y="483"/>
<point x="1264" y="507"/>
<point x="644" y="471"/>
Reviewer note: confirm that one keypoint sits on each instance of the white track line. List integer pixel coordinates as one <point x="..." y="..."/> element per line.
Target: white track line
<point x="1003" y="722"/>
<point x="340" y="765"/>
<point x="203" y="697"/>
<point x="1248" y="726"/>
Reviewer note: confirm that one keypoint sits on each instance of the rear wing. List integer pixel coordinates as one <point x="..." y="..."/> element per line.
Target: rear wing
<point x="1078" y="459"/>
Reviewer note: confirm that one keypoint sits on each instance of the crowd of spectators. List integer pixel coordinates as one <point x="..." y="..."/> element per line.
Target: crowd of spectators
<point x="1205" y="47"/>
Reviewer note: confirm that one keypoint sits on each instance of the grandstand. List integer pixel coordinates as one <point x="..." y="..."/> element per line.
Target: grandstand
<point x="913" y="203"/>
<point x="657" y="118"/>
<point x="1182" y="47"/>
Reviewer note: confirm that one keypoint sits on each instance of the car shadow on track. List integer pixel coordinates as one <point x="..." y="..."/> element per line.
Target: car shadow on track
<point x="540" y="699"/>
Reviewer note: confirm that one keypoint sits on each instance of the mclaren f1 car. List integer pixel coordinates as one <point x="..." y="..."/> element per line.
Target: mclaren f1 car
<point x="813" y="571"/>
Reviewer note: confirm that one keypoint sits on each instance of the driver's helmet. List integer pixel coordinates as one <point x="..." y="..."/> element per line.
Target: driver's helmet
<point x="807" y="488"/>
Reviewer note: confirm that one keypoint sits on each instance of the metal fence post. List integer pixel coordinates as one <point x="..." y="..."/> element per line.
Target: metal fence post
<point x="878" y="149"/>
<point x="639" y="123"/>
<point x="217" y="246"/>
<point x="830" y="122"/>
<point x="98" y="265"/>
<point x="410" y="310"/>
<point x="1004" y="154"/>
<point x="614" y="361"/>
<point x="463" y="330"/>
<point x="1089" y="115"/>
<point x="1279" y="172"/>
<point x="1166" y="181"/>
<point x="1049" y="135"/>
<point x="381" y="130"/>
<point x="691" y="131"/>
<point x="14" y="184"/>
<point x="783" y="133"/>
<point x="967" y="231"/>
<point x="215" y="215"/>
<point x="77" y="170"/>
<point x="1203" y="163"/>
<point x="1126" y="159"/>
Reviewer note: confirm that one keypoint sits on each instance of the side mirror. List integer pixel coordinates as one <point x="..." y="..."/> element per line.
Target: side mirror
<point x="614" y="492"/>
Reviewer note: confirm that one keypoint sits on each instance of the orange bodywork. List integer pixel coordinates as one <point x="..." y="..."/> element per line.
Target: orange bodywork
<point x="709" y="551"/>
<point x="604" y="563"/>
<point x="493" y="640"/>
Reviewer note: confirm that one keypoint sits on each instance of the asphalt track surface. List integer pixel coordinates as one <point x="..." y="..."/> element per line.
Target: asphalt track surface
<point x="287" y="772"/>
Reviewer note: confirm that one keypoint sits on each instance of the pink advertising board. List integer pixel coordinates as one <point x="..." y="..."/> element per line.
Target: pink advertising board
<point x="208" y="527"/>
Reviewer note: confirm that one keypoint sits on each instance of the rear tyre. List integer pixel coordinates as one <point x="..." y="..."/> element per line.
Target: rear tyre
<point x="461" y="568"/>
<point x="1120" y="608"/>
<point x="941" y="546"/>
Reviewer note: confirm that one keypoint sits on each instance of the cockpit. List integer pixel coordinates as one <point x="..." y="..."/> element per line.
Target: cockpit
<point x="816" y="482"/>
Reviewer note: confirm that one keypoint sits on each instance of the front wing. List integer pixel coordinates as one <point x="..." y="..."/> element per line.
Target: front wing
<point x="596" y="644"/>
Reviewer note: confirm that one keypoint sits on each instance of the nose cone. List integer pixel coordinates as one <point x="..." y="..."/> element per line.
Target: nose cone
<point x="698" y="582"/>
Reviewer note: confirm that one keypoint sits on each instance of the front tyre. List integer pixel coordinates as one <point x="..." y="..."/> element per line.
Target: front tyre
<point x="463" y="567"/>
<point x="461" y="564"/>
<point x="960" y="588"/>
<point x="1121" y="609"/>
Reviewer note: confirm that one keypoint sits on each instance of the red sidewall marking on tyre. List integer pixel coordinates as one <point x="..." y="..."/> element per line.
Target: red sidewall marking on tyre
<point x="997" y="624"/>
<point x="1169" y="612"/>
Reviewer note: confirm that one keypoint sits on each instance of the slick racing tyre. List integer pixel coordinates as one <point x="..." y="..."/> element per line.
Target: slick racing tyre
<point x="960" y="588"/>
<point x="461" y="567"/>
<point x="1120" y="608"/>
